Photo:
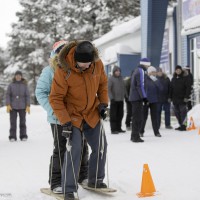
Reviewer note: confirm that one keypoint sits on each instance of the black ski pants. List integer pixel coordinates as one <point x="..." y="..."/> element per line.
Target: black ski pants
<point x="180" y="111"/>
<point x="154" y="117"/>
<point x="137" y="112"/>
<point x="22" y="124"/>
<point x="56" y="161"/>
<point x="128" y="113"/>
<point x="116" y="115"/>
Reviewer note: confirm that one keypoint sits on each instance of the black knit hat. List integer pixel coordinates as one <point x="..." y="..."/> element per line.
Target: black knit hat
<point x="178" y="67"/>
<point x="84" y="52"/>
<point x="18" y="73"/>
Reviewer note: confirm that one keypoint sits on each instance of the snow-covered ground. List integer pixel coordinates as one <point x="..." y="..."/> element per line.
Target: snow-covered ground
<point x="174" y="162"/>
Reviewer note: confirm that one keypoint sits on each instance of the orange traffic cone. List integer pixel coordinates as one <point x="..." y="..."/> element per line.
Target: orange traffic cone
<point x="192" y="126"/>
<point x="199" y="131"/>
<point x="147" y="187"/>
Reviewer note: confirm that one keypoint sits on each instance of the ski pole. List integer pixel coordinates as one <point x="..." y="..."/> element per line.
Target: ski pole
<point x="68" y="148"/>
<point x="103" y="135"/>
<point x="55" y="136"/>
<point x="101" y="138"/>
<point x="52" y="157"/>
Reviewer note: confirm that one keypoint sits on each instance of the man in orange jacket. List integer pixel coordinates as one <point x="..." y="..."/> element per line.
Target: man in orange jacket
<point x="79" y="97"/>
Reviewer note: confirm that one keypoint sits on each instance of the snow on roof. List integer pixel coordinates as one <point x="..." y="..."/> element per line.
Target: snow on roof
<point x="191" y="25"/>
<point x="111" y="52"/>
<point x="117" y="31"/>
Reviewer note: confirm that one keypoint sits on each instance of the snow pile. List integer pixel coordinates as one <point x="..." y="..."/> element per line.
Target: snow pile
<point x="194" y="115"/>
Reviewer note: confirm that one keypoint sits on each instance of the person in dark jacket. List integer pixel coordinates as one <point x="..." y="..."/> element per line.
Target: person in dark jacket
<point x="127" y="82"/>
<point x="18" y="102"/>
<point x="191" y="81"/>
<point x="116" y="92"/>
<point x="137" y="97"/>
<point x="153" y="88"/>
<point x="163" y="103"/>
<point x="179" y="94"/>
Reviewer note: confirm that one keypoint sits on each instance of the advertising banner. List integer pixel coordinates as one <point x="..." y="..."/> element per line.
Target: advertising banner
<point x="190" y="8"/>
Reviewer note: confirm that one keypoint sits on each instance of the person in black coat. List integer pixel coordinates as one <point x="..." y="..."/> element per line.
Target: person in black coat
<point x="191" y="81"/>
<point x="127" y="82"/>
<point x="163" y="103"/>
<point x="137" y="97"/>
<point x="179" y="94"/>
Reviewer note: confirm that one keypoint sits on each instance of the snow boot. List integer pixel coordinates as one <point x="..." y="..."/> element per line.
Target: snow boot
<point x="69" y="196"/>
<point x="57" y="190"/>
<point x="98" y="185"/>
<point x="137" y="140"/>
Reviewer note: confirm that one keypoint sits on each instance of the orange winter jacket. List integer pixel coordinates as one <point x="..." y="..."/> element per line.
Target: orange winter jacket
<point x="75" y="95"/>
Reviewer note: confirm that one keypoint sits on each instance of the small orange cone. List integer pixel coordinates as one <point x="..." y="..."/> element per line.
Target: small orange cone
<point x="147" y="187"/>
<point x="199" y="131"/>
<point x="192" y="126"/>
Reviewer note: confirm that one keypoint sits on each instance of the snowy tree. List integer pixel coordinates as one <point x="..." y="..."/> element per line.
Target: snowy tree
<point x="92" y="18"/>
<point x="32" y="37"/>
<point x="42" y="22"/>
<point x="2" y="60"/>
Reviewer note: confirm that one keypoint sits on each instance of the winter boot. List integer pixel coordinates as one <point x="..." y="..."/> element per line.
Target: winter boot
<point x="158" y="135"/>
<point x="57" y="190"/>
<point x="137" y="140"/>
<point x="169" y="127"/>
<point x="114" y="132"/>
<point x="178" y="129"/>
<point x="121" y="131"/>
<point x="69" y="196"/>
<point x="183" y="128"/>
<point x="98" y="185"/>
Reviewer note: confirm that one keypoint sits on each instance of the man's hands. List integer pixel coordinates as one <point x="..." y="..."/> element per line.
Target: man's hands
<point x="145" y="101"/>
<point x="67" y="130"/>
<point x="103" y="111"/>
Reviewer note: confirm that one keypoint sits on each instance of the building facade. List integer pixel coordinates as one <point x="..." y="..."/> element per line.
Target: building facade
<point x="168" y="34"/>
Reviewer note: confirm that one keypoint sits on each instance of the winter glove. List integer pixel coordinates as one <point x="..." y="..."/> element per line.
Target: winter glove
<point x="67" y="130"/>
<point x="185" y="100"/>
<point x="103" y="111"/>
<point x="8" y="108"/>
<point x="145" y="101"/>
<point x="28" y="109"/>
<point x="169" y="100"/>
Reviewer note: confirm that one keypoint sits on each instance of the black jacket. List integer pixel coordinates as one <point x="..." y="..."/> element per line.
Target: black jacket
<point x="180" y="88"/>
<point x="164" y="93"/>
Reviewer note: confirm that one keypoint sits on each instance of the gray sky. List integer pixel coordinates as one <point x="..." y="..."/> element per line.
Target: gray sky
<point x="8" y="9"/>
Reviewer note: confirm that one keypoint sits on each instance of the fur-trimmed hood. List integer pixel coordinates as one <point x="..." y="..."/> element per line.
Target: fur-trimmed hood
<point x="66" y="55"/>
<point x="54" y="62"/>
<point x="184" y="73"/>
<point x="23" y="80"/>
